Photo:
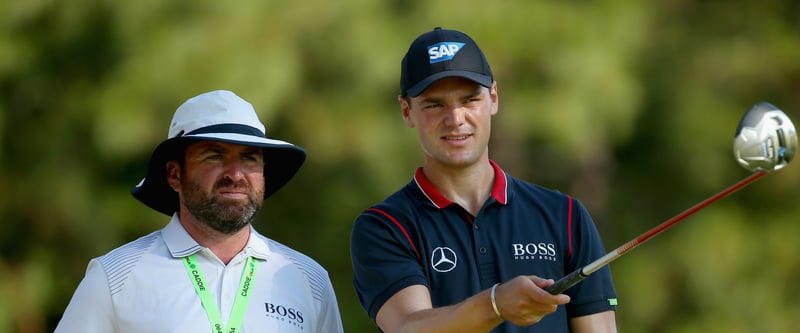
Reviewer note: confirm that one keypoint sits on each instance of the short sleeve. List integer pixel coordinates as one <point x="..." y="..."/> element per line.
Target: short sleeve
<point x="329" y="317"/>
<point x="384" y="257"/>
<point x="596" y="293"/>
<point x="90" y="310"/>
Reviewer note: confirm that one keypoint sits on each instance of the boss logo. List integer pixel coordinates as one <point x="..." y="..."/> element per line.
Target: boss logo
<point x="541" y="251"/>
<point x="278" y="311"/>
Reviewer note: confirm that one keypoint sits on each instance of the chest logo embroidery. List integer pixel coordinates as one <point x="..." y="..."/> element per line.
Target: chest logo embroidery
<point x="443" y="259"/>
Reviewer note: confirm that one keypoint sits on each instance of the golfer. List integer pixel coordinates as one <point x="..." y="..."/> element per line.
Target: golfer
<point x="466" y="247"/>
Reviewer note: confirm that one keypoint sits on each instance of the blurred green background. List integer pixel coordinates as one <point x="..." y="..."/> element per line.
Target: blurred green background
<point x="628" y="105"/>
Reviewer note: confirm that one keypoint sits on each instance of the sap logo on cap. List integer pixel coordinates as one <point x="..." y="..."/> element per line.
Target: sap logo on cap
<point x="443" y="51"/>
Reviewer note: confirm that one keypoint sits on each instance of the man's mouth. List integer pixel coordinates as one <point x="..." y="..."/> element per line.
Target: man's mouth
<point x="456" y="137"/>
<point x="235" y="193"/>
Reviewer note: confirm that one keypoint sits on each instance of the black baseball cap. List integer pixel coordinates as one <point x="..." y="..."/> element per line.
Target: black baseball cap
<point x="442" y="53"/>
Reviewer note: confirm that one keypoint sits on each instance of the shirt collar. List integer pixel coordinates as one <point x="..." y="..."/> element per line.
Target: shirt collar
<point x="499" y="188"/>
<point x="181" y="244"/>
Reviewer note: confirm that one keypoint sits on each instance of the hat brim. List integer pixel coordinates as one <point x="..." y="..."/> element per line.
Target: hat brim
<point x="484" y="80"/>
<point x="282" y="160"/>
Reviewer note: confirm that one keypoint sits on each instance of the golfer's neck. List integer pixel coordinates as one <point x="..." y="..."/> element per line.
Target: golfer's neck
<point x="469" y="187"/>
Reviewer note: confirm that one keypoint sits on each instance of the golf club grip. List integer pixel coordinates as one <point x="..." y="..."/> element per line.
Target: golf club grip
<point x="566" y="282"/>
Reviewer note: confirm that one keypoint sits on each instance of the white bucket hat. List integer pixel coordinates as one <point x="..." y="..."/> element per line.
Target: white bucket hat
<point x="215" y="116"/>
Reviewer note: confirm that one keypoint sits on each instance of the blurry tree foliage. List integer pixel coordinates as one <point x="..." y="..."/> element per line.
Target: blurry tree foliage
<point x="628" y="105"/>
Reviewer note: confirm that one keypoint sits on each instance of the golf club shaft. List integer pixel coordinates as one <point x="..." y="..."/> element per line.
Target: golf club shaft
<point x="579" y="274"/>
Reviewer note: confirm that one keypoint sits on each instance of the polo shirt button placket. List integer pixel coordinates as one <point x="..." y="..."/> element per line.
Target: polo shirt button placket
<point x="225" y="279"/>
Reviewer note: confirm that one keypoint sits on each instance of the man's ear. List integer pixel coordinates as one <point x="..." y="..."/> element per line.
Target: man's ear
<point x="174" y="175"/>
<point x="494" y="97"/>
<point x="405" y="109"/>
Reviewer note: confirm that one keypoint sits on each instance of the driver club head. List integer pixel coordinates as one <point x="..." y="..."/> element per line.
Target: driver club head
<point x="765" y="140"/>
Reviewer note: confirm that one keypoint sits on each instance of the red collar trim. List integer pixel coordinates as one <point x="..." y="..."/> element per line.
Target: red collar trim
<point x="499" y="190"/>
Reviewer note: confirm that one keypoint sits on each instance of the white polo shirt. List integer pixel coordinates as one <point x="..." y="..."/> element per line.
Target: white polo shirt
<point x="143" y="286"/>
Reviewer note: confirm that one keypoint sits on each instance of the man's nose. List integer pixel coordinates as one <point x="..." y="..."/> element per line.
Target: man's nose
<point x="455" y="115"/>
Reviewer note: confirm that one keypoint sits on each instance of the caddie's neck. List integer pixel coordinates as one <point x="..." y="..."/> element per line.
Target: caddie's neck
<point x="224" y="246"/>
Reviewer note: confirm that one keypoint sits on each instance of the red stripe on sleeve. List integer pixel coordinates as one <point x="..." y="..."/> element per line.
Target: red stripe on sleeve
<point x="399" y="226"/>
<point x="569" y="226"/>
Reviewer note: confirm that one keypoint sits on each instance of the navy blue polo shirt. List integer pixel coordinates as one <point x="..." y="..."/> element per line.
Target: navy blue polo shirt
<point x="417" y="236"/>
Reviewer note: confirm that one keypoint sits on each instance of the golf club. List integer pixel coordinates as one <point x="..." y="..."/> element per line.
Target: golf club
<point x="765" y="141"/>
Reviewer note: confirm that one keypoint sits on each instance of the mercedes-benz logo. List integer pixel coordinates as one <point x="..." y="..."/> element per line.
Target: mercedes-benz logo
<point x="443" y="259"/>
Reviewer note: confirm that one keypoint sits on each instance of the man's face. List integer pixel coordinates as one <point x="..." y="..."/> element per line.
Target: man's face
<point x="453" y="120"/>
<point x="222" y="184"/>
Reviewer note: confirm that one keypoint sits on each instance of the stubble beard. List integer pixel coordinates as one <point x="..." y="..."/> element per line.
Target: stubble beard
<point x="225" y="216"/>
